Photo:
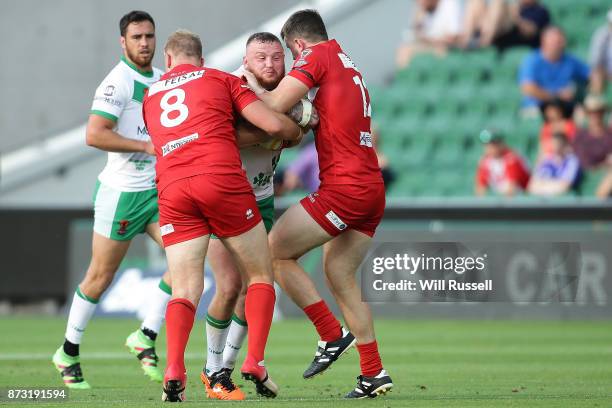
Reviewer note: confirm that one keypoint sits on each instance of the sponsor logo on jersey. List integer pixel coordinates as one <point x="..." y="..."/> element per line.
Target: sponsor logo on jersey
<point x="173" y="82"/>
<point x="312" y="197"/>
<point x="302" y="60"/>
<point x="365" y="139"/>
<point x="166" y="229"/>
<point x="109" y="90"/>
<point x="261" y="179"/>
<point x="142" y="131"/>
<point x="175" y="144"/>
<point x="140" y="164"/>
<point x="334" y="219"/>
<point x="109" y="101"/>
<point x="123" y="224"/>
<point x="249" y="214"/>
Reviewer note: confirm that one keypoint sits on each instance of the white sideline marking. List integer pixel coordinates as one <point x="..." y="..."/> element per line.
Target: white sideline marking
<point x="105" y="355"/>
<point x="95" y="355"/>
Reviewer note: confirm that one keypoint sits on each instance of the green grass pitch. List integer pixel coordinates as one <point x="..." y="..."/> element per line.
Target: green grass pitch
<point x="432" y="363"/>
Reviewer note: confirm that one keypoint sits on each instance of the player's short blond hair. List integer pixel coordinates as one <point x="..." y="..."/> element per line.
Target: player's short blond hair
<point x="185" y="43"/>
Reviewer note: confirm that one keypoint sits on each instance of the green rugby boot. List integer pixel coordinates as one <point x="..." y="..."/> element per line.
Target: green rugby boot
<point x="70" y="369"/>
<point x="144" y="349"/>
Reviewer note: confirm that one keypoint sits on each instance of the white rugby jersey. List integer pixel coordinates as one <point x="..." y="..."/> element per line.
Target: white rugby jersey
<point x="119" y="98"/>
<point x="259" y="164"/>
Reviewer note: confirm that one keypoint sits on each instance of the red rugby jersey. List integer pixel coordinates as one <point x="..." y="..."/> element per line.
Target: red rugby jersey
<point x="190" y="114"/>
<point x="343" y="136"/>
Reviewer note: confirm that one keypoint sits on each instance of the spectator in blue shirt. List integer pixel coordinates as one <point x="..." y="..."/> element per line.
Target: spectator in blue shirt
<point x="550" y="73"/>
<point x="557" y="172"/>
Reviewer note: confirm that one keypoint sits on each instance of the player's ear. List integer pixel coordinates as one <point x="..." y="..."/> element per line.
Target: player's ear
<point x="168" y="60"/>
<point x="202" y="61"/>
<point x="300" y="45"/>
<point x="122" y="42"/>
<point x="245" y="62"/>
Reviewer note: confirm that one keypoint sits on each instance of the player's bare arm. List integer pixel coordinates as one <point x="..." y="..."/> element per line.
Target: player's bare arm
<point x="302" y="113"/>
<point x="288" y="92"/>
<point x="250" y="135"/>
<point x="274" y="124"/>
<point x="100" y="134"/>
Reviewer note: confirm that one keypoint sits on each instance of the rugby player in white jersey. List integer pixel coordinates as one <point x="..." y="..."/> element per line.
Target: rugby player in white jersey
<point x="125" y="198"/>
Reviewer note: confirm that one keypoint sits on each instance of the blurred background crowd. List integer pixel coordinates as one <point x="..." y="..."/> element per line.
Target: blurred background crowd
<point x="492" y="97"/>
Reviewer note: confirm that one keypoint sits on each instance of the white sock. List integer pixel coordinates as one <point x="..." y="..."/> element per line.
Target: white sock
<point x="237" y="332"/>
<point x="81" y="310"/>
<point x="156" y="307"/>
<point x="216" y="334"/>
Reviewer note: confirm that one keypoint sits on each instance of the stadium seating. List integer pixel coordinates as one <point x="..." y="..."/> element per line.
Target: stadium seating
<point x="430" y="116"/>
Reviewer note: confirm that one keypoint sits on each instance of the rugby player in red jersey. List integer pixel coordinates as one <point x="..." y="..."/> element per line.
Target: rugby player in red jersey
<point x="190" y="114"/>
<point x="344" y="213"/>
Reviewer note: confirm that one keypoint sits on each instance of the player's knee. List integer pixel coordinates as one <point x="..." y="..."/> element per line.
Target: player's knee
<point x="228" y="292"/>
<point x="278" y="250"/>
<point x="94" y="286"/>
<point x="273" y="244"/>
<point x="261" y="278"/>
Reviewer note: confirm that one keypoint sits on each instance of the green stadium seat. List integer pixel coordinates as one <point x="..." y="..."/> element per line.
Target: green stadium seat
<point x="590" y="181"/>
<point x="529" y="127"/>
<point x="514" y="56"/>
<point x="449" y="183"/>
<point x="448" y="151"/>
<point x="423" y="65"/>
<point x="391" y="140"/>
<point x="433" y="112"/>
<point x="408" y="77"/>
<point x="469" y="74"/>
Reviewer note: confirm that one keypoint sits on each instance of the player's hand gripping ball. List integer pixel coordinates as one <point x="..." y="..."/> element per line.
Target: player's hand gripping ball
<point x="304" y="114"/>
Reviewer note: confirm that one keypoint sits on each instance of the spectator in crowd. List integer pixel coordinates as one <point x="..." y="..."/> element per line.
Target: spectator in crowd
<point x="593" y="145"/>
<point x="550" y="73"/>
<point x="604" y="190"/>
<point x="555" y="121"/>
<point x="558" y="171"/>
<point x="503" y="23"/>
<point x="387" y="172"/>
<point x="600" y="57"/>
<point x="436" y="27"/>
<point x="500" y="170"/>
<point x="303" y="172"/>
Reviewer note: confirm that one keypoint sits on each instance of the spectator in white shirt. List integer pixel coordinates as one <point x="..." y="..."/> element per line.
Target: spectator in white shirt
<point x="600" y="57"/>
<point x="436" y="27"/>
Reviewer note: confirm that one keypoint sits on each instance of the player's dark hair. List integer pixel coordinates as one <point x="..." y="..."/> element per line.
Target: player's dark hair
<point x="135" y="16"/>
<point x="263" y="37"/>
<point x="306" y="24"/>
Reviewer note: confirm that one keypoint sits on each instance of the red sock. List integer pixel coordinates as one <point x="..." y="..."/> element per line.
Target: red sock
<point x="369" y="359"/>
<point x="327" y="325"/>
<point x="259" y="308"/>
<point x="180" y="314"/>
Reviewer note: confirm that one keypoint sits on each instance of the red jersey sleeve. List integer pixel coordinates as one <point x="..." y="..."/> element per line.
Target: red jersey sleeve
<point x="242" y="95"/>
<point x="309" y="68"/>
